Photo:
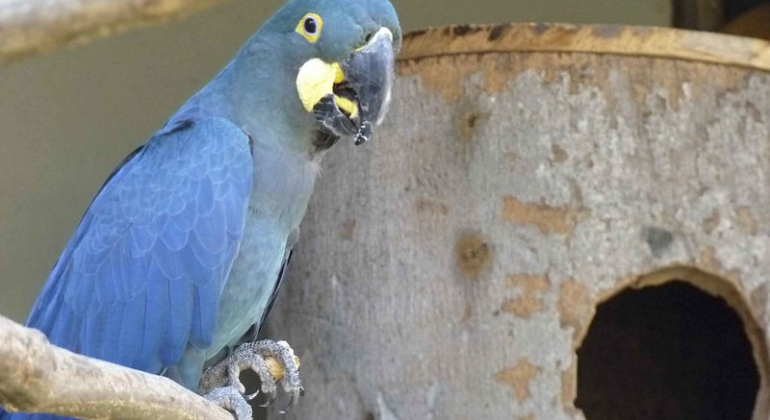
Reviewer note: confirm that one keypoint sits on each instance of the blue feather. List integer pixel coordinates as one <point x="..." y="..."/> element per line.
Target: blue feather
<point x="181" y="295"/>
<point x="131" y="333"/>
<point x="157" y="314"/>
<point x="205" y="309"/>
<point x="139" y="282"/>
<point x="174" y="238"/>
<point x="203" y="256"/>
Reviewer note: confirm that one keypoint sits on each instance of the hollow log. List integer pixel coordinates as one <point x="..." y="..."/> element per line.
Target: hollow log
<point x="525" y="174"/>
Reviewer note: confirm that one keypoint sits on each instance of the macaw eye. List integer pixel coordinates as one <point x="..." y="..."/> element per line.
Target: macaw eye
<point x="310" y="27"/>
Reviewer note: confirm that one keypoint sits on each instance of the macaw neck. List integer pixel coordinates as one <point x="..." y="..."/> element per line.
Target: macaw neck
<point x="257" y="91"/>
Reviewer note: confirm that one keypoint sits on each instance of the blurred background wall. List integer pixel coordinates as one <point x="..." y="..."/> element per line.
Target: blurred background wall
<point x="69" y="117"/>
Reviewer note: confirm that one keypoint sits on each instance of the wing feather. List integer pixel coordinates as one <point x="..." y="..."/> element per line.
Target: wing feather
<point x="140" y="280"/>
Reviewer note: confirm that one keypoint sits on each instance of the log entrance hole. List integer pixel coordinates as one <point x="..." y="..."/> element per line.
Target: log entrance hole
<point x="672" y="349"/>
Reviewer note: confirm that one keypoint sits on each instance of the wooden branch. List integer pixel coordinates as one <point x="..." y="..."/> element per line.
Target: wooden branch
<point x="36" y="376"/>
<point x="32" y="26"/>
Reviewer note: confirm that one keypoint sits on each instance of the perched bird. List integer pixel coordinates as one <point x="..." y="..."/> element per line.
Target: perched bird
<point x="182" y="250"/>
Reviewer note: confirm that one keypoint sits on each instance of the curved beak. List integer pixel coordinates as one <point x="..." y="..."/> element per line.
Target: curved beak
<point x="350" y="98"/>
<point x="370" y="73"/>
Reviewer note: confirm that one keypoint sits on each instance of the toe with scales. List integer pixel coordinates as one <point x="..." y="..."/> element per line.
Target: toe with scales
<point x="274" y="363"/>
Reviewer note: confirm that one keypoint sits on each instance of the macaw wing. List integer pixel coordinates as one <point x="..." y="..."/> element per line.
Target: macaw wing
<point x="141" y="278"/>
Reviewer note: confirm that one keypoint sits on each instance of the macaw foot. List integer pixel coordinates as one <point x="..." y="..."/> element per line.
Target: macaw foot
<point x="231" y="399"/>
<point x="274" y="363"/>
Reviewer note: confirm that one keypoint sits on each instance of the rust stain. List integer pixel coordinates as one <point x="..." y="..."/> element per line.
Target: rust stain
<point x="431" y="207"/>
<point x="347" y="229"/>
<point x="511" y="157"/>
<point x="710" y="223"/>
<point x="500" y="71"/>
<point x="467" y="313"/>
<point x="467" y="123"/>
<point x="559" y="154"/>
<point x="445" y="74"/>
<point x="518" y="378"/>
<point x="444" y="57"/>
<point x="758" y="299"/>
<point x="708" y="260"/>
<point x="569" y="387"/>
<point x="576" y="308"/>
<point x="530" y="300"/>
<point x="546" y="218"/>
<point x="746" y="220"/>
<point x="473" y="255"/>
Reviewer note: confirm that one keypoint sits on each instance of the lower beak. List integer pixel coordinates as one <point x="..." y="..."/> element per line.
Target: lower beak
<point x="369" y="72"/>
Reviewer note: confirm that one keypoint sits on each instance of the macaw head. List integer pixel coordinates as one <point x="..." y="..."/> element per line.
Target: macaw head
<point x="335" y="59"/>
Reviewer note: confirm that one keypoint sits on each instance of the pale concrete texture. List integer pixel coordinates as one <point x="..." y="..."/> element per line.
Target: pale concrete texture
<point x="451" y="268"/>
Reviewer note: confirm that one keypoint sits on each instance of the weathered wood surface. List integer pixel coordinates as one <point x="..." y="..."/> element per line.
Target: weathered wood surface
<point x="449" y="269"/>
<point x="28" y="27"/>
<point x="39" y="377"/>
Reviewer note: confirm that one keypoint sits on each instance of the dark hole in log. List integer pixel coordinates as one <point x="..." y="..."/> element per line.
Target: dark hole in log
<point x="735" y="8"/>
<point x="666" y="352"/>
<point x="694" y="14"/>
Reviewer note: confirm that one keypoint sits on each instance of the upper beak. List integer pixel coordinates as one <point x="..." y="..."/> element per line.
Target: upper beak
<point x="369" y="71"/>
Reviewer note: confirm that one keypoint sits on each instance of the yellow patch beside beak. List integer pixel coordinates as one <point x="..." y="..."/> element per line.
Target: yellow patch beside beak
<point x="316" y="79"/>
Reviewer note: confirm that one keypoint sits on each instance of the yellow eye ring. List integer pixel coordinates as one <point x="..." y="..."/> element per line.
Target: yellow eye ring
<point x="310" y="27"/>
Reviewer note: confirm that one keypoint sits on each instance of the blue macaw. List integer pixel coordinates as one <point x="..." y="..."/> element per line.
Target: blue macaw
<point x="182" y="251"/>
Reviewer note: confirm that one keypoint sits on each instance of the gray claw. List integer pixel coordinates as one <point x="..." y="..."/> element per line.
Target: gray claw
<point x="250" y="397"/>
<point x="230" y="398"/>
<point x="270" y="400"/>
<point x="272" y="392"/>
<point x="293" y="398"/>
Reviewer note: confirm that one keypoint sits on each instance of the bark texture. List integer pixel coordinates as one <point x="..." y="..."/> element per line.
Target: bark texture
<point x="39" y="377"/>
<point x="525" y="173"/>
<point x="31" y="26"/>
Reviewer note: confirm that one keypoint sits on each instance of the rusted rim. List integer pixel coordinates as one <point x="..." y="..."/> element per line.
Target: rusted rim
<point x="636" y="41"/>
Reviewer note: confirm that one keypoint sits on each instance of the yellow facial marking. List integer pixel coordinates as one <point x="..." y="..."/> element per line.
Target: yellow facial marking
<point x="310" y="27"/>
<point x="316" y="79"/>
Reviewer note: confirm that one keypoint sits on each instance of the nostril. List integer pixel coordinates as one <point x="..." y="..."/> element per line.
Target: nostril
<point x="368" y="37"/>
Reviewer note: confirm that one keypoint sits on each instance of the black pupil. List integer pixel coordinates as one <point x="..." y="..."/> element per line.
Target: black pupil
<point x="310" y="26"/>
